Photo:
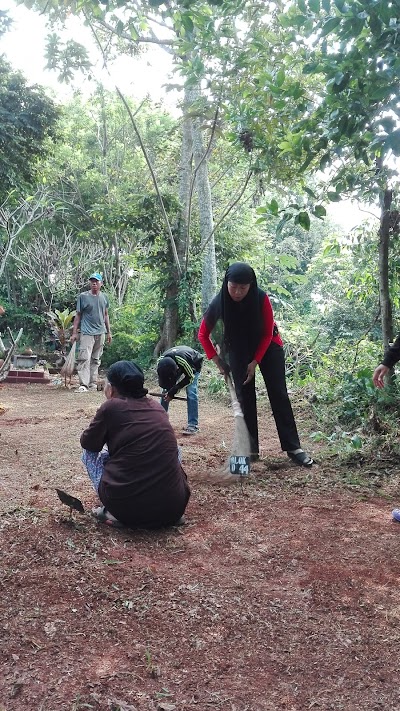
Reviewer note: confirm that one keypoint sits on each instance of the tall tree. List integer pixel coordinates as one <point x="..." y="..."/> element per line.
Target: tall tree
<point x="356" y="49"/>
<point x="314" y="92"/>
<point x="27" y="118"/>
<point x="100" y="175"/>
<point x="135" y="24"/>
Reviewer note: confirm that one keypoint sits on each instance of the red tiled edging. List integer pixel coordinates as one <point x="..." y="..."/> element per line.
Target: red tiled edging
<point x="27" y="376"/>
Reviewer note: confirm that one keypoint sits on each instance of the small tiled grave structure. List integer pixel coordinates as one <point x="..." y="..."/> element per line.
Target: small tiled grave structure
<point x="21" y="368"/>
<point x="28" y="375"/>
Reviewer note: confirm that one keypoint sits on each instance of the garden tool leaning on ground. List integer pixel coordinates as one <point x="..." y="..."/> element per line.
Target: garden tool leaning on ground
<point x="239" y="460"/>
<point x="69" y="365"/>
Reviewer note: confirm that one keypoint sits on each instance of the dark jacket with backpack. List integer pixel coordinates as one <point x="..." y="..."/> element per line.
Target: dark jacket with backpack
<point x="392" y="354"/>
<point x="189" y="362"/>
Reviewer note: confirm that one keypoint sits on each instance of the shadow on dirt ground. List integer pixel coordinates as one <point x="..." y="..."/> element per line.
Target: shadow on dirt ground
<point x="281" y="593"/>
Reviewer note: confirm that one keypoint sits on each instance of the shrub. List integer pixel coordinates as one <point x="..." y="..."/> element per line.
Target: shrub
<point x="344" y="391"/>
<point x="124" y="346"/>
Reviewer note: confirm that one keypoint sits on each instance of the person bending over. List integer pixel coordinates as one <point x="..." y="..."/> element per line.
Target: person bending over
<point x="251" y="338"/>
<point x="179" y="368"/>
<point x="131" y="455"/>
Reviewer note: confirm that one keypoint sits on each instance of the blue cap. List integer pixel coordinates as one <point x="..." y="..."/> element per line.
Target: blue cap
<point x="97" y="276"/>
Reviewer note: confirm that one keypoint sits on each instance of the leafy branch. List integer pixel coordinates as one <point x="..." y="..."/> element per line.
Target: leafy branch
<point x="13" y="220"/>
<point x="143" y="148"/>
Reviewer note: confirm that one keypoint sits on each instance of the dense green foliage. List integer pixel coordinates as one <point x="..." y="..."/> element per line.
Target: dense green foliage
<point x="299" y="109"/>
<point x="27" y="118"/>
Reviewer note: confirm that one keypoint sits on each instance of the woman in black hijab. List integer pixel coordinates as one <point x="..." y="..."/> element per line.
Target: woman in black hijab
<point x="251" y="338"/>
<point x="131" y="455"/>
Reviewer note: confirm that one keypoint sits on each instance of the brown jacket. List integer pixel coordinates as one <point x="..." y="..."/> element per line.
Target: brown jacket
<point x="143" y="483"/>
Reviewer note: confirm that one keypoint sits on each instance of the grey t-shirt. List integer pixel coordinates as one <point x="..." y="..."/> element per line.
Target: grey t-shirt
<point x="92" y="308"/>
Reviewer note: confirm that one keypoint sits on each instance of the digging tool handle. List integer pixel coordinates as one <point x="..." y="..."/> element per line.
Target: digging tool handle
<point x="176" y="397"/>
<point x="237" y="410"/>
<point x="230" y="386"/>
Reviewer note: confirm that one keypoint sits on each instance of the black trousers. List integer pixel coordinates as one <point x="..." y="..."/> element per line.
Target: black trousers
<point x="272" y="368"/>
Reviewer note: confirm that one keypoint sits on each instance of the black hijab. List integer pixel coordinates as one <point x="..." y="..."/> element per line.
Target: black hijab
<point x="128" y="378"/>
<point x="167" y="371"/>
<point x="243" y="323"/>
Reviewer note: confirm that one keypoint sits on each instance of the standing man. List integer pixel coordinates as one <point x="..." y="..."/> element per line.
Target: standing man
<point x="92" y="317"/>
<point x="179" y="368"/>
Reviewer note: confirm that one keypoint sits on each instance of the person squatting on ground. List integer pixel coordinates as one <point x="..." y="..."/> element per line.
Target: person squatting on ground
<point x="391" y="357"/>
<point x="93" y="320"/>
<point x="251" y="338"/>
<point x="179" y="368"/>
<point x="131" y="455"/>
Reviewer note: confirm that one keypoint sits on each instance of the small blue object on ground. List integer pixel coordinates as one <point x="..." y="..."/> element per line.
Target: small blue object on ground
<point x="396" y="515"/>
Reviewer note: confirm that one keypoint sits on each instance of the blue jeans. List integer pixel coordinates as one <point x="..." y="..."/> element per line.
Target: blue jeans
<point x="192" y="393"/>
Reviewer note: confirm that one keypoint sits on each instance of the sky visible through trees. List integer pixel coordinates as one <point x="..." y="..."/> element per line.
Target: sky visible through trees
<point x="137" y="76"/>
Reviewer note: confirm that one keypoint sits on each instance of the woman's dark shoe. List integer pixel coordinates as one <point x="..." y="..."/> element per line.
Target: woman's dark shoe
<point x="301" y="458"/>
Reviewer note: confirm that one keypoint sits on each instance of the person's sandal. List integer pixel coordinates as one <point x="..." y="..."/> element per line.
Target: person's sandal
<point x="101" y="515"/>
<point x="180" y="522"/>
<point x="190" y="430"/>
<point x="301" y="458"/>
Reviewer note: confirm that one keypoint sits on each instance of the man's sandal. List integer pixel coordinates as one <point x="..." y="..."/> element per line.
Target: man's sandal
<point x="101" y="515"/>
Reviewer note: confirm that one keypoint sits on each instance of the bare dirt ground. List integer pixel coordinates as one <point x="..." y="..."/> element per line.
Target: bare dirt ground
<point x="281" y="594"/>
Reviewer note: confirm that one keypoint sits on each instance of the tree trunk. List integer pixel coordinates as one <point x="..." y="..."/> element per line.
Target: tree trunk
<point x="192" y="146"/>
<point x="185" y="178"/>
<point x="206" y="221"/>
<point x="170" y="326"/>
<point x="170" y="329"/>
<point x="383" y="262"/>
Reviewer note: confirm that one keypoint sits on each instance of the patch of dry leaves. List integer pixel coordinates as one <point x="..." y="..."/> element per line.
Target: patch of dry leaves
<point x="280" y="594"/>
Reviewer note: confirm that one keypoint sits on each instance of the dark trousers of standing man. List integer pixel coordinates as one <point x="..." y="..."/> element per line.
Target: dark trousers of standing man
<point x="272" y="369"/>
